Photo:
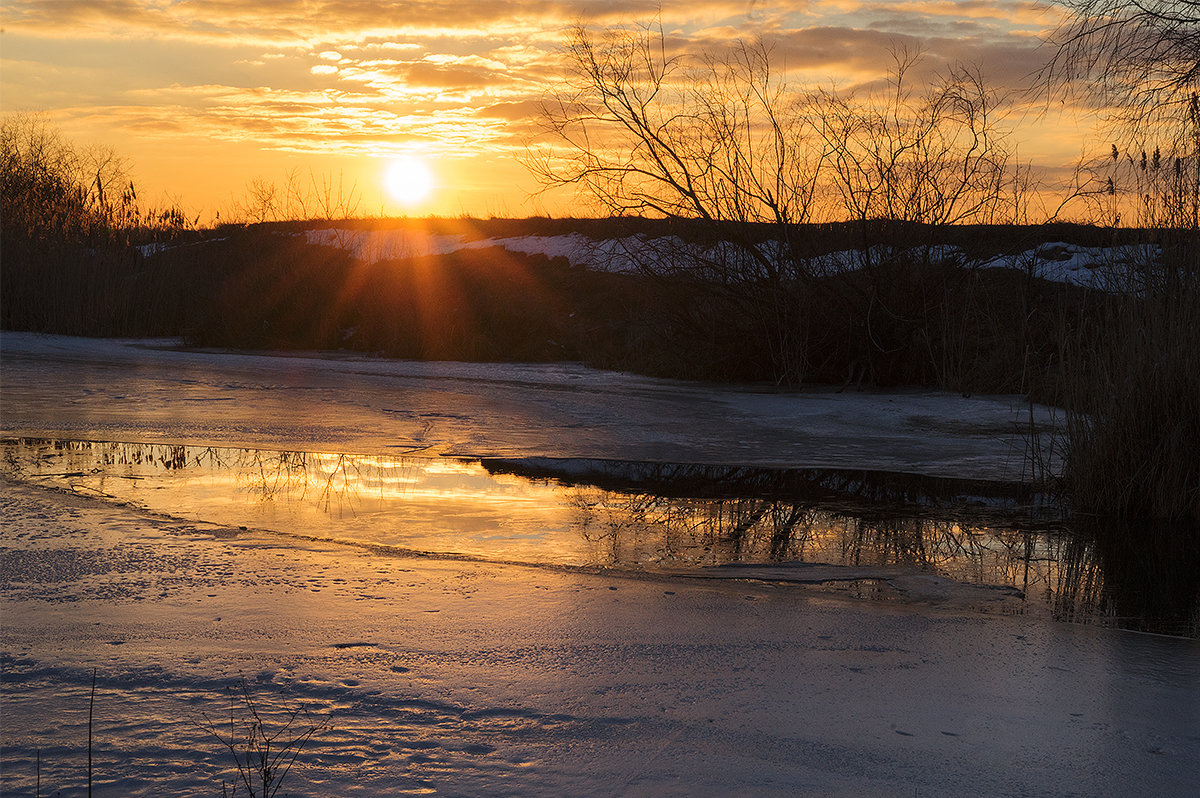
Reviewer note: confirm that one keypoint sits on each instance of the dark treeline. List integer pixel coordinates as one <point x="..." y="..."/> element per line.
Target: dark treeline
<point x="262" y="287"/>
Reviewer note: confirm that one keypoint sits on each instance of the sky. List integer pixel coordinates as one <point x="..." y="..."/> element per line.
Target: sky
<point x="204" y="97"/>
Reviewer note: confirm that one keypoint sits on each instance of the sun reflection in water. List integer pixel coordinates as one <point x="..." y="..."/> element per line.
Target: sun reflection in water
<point x="489" y="511"/>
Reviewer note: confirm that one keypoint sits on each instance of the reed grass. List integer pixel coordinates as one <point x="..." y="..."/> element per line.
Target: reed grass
<point x="1131" y="383"/>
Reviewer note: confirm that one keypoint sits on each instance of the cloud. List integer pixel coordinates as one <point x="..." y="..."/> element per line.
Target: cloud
<point x="521" y="110"/>
<point x="302" y="21"/>
<point x="455" y="77"/>
<point x="367" y="76"/>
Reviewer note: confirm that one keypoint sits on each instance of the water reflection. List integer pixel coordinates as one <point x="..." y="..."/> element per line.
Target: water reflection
<point x="1143" y="575"/>
<point x="656" y="517"/>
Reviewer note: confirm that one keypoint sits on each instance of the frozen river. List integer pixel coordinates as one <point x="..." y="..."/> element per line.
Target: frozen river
<point x="61" y="387"/>
<point x="443" y="652"/>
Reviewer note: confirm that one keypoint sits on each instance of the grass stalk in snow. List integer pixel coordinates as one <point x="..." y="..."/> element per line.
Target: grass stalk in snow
<point x="91" y="715"/>
<point x="263" y="755"/>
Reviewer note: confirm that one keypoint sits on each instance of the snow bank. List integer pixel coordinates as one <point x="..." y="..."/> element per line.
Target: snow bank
<point x="376" y="245"/>
<point x="1103" y="268"/>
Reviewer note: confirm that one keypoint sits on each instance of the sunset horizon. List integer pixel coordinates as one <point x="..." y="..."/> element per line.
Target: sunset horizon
<point x="203" y="99"/>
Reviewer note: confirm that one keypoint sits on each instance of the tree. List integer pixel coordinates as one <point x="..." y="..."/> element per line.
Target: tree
<point x="750" y="159"/>
<point x="1140" y="56"/>
<point x="933" y="156"/>
<point x="723" y="142"/>
<point x="641" y="131"/>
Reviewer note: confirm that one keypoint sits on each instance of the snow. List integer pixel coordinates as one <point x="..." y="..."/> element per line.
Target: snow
<point x="1101" y="268"/>
<point x="466" y="678"/>
<point x="375" y="245"/>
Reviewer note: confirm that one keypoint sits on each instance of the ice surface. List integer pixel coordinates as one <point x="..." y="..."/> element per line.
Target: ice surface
<point x="473" y="679"/>
<point x="455" y="677"/>
<point x="103" y="389"/>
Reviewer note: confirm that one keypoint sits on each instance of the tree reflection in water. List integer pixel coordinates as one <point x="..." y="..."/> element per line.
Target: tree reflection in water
<point x="668" y="517"/>
<point x="1144" y="575"/>
<point x="1148" y="580"/>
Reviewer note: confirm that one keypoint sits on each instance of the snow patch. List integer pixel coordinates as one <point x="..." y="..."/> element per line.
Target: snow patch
<point x="1101" y="268"/>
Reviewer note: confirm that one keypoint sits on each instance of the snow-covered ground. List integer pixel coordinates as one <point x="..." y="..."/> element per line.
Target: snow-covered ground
<point x="1104" y="268"/>
<point x="464" y="678"/>
<point x="448" y="676"/>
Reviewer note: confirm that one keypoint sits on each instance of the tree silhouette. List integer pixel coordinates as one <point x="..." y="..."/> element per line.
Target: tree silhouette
<point x="1141" y="56"/>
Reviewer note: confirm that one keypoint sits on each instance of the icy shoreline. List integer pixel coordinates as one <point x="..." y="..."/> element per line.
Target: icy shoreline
<point x="462" y="678"/>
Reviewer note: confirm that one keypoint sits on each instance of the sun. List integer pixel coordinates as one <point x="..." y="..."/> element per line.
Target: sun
<point x="409" y="181"/>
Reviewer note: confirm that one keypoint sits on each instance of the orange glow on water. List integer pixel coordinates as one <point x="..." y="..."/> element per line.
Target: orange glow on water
<point x="466" y="508"/>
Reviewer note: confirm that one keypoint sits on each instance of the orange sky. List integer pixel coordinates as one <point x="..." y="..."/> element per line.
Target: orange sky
<point x="204" y="96"/>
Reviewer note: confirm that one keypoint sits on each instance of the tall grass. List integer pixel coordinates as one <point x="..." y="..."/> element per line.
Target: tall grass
<point x="1131" y="371"/>
<point x="70" y="218"/>
<point x="1131" y="382"/>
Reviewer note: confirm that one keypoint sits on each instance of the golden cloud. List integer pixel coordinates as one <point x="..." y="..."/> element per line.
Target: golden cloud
<point x="337" y="76"/>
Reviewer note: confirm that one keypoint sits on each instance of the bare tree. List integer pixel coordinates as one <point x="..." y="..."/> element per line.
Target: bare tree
<point x="333" y="200"/>
<point x="728" y="139"/>
<point x="1142" y="56"/>
<point x="641" y="131"/>
<point x="728" y="143"/>
<point x="907" y="159"/>
<point x="262" y="200"/>
<point x="719" y="140"/>
<point x="324" y="197"/>
<point x="296" y="201"/>
<point x="934" y="156"/>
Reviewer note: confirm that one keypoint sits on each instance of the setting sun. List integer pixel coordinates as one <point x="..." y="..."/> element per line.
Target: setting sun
<point x="408" y="181"/>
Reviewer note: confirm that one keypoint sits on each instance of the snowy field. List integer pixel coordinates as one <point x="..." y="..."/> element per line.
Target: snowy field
<point x="467" y="677"/>
<point x="1104" y="268"/>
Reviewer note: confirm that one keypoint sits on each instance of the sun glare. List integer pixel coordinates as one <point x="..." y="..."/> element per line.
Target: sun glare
<point x="408" y="180"/>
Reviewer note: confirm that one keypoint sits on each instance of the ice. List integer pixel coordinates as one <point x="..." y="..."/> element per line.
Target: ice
<point x="480" y="679"/>
<point x="151" y="391"/>
<point x="462" y="677"/>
